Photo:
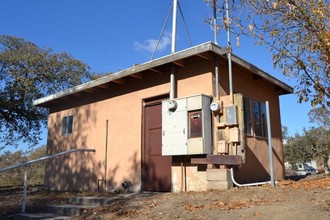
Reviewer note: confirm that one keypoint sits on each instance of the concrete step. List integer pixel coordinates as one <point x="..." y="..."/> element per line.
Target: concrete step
<point x="32" y="216"/>
<point x="90" y="200"/>
<point x="69" y="209"/>
<point x="75" y="208"/>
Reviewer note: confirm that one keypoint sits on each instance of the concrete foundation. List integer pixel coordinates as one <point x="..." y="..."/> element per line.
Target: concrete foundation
<point x="218" y="179"/>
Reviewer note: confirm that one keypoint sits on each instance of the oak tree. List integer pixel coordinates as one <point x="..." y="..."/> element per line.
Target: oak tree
<point x="29" y="72"/>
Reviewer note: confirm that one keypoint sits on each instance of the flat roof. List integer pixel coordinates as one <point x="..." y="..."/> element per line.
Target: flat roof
<point x="199" y="50"/>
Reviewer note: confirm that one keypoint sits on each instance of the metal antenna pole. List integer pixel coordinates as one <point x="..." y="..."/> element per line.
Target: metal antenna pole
<point x="227" y="23"/>
<point x="173" y="49"/>
<point x="215" y="25"/>
<point x="175" y="12"/>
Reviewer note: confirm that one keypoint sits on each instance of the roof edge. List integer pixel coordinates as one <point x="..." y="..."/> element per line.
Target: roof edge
<point x="288" y="89"/>
<point x="208" y="46"/>
<point x="201" y="48"/>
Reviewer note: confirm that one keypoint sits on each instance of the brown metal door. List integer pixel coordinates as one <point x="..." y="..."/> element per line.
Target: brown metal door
<point x="156" y="171"/>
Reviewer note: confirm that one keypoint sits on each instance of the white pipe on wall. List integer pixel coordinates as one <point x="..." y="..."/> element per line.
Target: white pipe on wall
<point x="246" y="184"/>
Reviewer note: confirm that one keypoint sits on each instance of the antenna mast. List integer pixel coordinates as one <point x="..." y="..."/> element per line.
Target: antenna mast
<point x="227" y="25"/>
<point x="215" y="25"/>
<point x="175" y="10"/>
<point x="172" y="75"/>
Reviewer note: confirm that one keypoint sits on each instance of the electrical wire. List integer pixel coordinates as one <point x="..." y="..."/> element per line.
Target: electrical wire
<point x="164" y="26"/>
<point x="185" y="24"/>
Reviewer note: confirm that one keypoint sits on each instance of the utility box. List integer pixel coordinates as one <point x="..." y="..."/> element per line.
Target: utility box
<point x="231" y="115"/>
<point x="186" y="126"/>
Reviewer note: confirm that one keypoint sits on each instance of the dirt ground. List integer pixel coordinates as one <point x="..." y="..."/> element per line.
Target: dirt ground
<point x="308" y="198"/>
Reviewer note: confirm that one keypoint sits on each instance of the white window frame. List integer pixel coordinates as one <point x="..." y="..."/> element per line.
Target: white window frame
<point x="67" y="125"/>
<point x="255" y="115"/>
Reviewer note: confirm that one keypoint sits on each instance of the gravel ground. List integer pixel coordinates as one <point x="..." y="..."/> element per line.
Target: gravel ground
<point x="304" y="199"/>
<point x="307" y="198"/>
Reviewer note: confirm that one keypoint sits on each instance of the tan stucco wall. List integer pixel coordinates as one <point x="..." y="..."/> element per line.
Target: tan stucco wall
<point x="256" y="167"/>
<point x="122" y="106"/>
<point x="123" y="110"/>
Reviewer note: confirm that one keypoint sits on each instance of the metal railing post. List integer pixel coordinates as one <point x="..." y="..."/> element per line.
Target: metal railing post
<point x="24" y="189"/>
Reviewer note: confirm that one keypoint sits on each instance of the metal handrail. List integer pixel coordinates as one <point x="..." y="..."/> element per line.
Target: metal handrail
<point x="23" y="164"/>
<point x="26" y="163"/>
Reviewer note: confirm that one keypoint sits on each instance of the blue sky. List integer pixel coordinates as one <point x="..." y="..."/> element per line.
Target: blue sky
<point x="113" y="35"/>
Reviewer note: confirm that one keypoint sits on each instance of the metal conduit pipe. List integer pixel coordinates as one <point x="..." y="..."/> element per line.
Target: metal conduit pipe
<point x="217" y="85"/>
<point x="217" y="77"/>
<point x="247" y="184"/>
<point x="172" y="83"/>
<point x="106" y="153"/>
<point x="230" y="79"/>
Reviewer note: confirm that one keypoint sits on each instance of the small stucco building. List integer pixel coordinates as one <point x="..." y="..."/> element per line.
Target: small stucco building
<point x="141" y="137"/>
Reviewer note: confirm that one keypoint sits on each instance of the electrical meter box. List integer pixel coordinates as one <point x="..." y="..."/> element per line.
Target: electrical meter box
<point x="186" y="126"/>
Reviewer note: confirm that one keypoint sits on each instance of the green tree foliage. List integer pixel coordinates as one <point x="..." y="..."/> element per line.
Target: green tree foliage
<point x="297" y="33"/>
<point x="285" y="133"/>
<point x="313" y="143"/>
<point x="28" y="72"/>
<point x="321" y="116"/>
<point x="15" y="177"/>
<point x="299" y="149"/>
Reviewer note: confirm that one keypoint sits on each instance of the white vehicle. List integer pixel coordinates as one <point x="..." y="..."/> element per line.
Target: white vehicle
<point x="307" y="168"/>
